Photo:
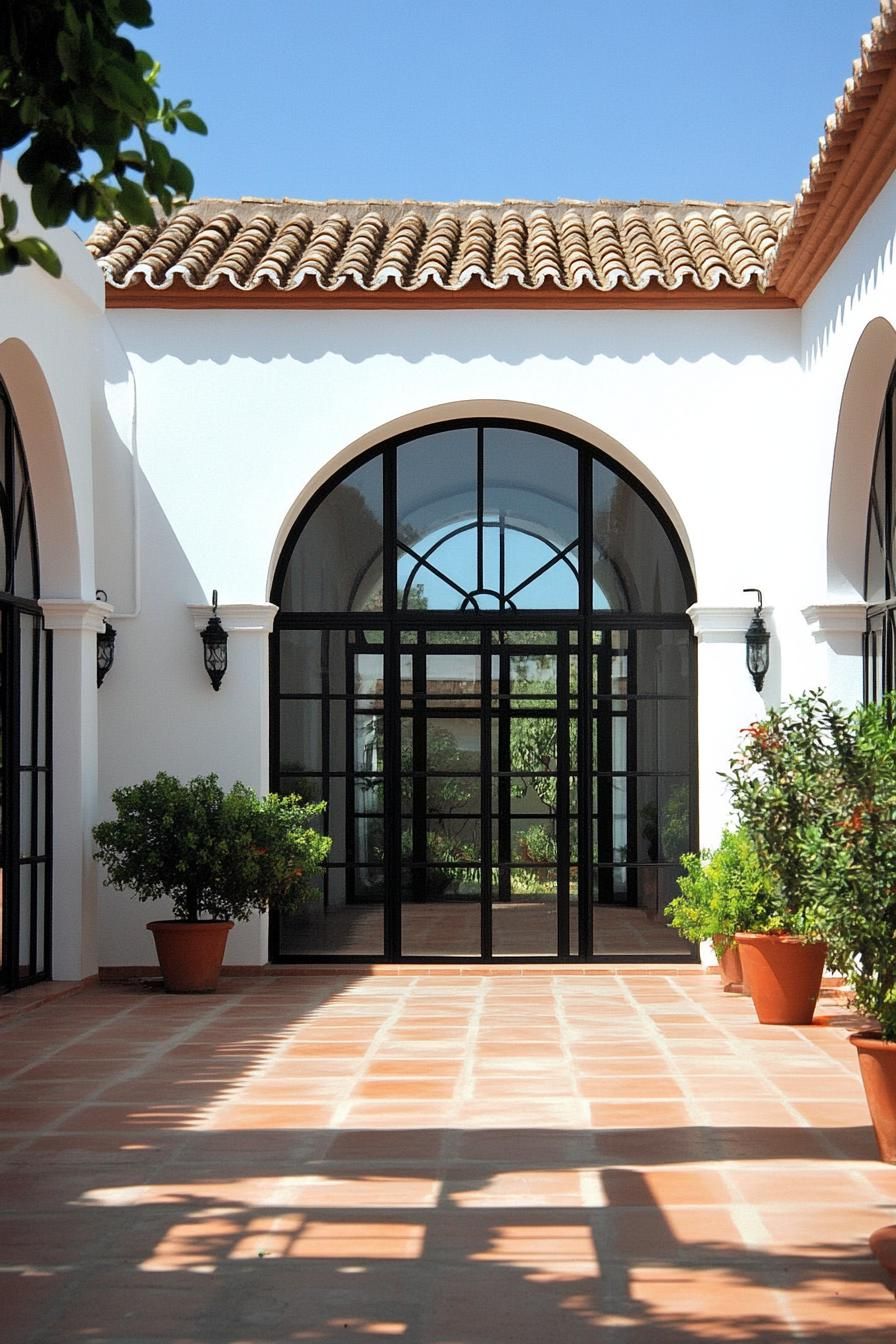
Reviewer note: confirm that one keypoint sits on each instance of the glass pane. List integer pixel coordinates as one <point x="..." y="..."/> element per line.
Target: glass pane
<point x="300" y="737"/>
<point x="534" y="841"/>
<point x="29" y="654"/>
<point x="453" y="840"/>
<point x="26" y="895"/>
<point x="26" y="577"/>
<point x="447" y="795"/>
<point x="40" y="902"/>
<point x="533" y="795"/>
<point x="525" y="924"/>
<point x="305" y="661"/>
<point x="663" y="662"/>
<point x="449" y="675"/>
<point x="335" y="925"/>
<point x="674" y="818"/>
<point x="337" y="561"/>
<point x="556" y="589"/>
<point x="421" y="588"/>
<point x="441" y="911"/>
<point x="453" y="745"/>
<point x="369" y="793"/>
<point x="635" y="565"/>
<point x="521" y="492"/>
<point x="368" y="675"/>
<point x="650" y="736"/>
<point x="638" y="931"/>
<point x="332" y="822"/>
<point x="533" y="674"/>
<point x="647" y="840"/>
<point x="436" y="487"/>
<point x="369" y="840"/>
<point x="368" y="742"/>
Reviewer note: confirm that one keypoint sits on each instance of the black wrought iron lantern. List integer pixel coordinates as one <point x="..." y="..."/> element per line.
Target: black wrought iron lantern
<point x="105" y="644"/>
<point x="757" y="640"/>
<point x="214" y="646"/>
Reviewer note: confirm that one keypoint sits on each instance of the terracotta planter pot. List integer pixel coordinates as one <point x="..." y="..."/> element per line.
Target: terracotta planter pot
<point x="784" y="975"/>
<point x="190" y="955"/>
<point x="731" y="971"/>
<point x="877" y="1062"/>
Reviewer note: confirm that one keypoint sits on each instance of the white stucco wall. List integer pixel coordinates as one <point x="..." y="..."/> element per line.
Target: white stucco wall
<point x="754" y="429"/>
<point x="240" y="416"/>
<point x="848" y="349"/>
<point x="51" y="335"/>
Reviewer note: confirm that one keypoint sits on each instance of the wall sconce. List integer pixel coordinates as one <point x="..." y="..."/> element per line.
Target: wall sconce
<point x="105" y="644"/>
<point x="757" y="638"/>
<point x="214" y="646"/>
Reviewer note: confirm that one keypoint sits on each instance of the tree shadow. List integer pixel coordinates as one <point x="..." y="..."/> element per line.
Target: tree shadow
<point x="433" y="1235"/>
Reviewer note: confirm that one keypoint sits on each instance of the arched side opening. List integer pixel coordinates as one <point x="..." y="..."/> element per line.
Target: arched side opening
<point x="880" y="557"/>
<point x="25" y="728"/>
<point x="483" y="664"/>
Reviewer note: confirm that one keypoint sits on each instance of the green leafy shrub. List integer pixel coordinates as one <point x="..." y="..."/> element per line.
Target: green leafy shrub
<point x="815" y="786"/>
<point x="724" y="891"/>
<point x="854" y="866"/>
<point x="537" y="845"/>
<point x="792" y="789"/>
<point x="215" y="855"/>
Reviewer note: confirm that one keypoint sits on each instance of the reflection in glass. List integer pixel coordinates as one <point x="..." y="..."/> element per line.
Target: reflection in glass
<point x="635" y="565"/>
<point x="337" y="559"/>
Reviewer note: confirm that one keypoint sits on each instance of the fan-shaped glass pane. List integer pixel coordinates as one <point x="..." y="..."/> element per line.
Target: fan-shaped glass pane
<point x="436" y="484"/>
<point x="337" y="561"/>
<point x="26" y="577"/>
<point x="635" y="564"/>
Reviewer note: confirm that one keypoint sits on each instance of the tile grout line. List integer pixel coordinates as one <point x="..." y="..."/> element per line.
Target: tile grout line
<point x="753" y="1227"/>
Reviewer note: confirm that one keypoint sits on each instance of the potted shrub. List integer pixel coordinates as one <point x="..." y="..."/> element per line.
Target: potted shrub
<point x="216" y="856"/>
<point x="791" y="789"/>
<point x="859" y="864"/>
<point x="724" y="891"/>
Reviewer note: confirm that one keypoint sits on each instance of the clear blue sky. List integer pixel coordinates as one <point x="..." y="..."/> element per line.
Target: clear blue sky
<point x="488" y="99"/>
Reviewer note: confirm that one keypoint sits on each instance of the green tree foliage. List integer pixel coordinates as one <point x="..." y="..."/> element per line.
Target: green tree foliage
<point x="815" y="786"/>
<point x="213" y="854"/>
<point x="75" y="89"/>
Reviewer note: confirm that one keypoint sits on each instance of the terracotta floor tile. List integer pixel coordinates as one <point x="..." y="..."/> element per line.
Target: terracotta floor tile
<point x="325" y="1157"/>
<point x="403" y="1089"/>
<point x="271" y="1115"/>
<point x="663" y="1187"/>
<point x="625" y="1087"/>
<point x="628" y="1114"/>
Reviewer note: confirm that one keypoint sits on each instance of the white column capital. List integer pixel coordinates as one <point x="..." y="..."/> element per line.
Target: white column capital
<point x="827" y="619"/>
<point x="237" y="617"/>
<point x="723" y="624"/>
<point x="72" y="613"/>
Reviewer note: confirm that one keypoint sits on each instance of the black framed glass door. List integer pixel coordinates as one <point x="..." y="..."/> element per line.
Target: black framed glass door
<point x="488" y="834"/>
<point x="482" y="663"/>
<point x="26" y="678"/>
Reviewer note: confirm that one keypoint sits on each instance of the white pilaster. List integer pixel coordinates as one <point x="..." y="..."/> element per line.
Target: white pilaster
<point x="726" y="702"/>
<point x="838" y="629"/>
<point x="245" y="691"/>
<point x="75" y="625"/>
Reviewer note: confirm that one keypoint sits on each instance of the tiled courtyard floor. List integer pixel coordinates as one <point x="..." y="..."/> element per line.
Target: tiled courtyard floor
<point x="510" y="1159"/>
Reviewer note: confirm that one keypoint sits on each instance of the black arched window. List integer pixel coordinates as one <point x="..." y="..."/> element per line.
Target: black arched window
<point x="880" y="560"/>
<point x="25" y="756"/>
<point x="482" y="663"/>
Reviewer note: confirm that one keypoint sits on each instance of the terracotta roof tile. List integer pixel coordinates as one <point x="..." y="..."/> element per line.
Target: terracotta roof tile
<point x="860" y="133"/>
<point x="564" y="245"/>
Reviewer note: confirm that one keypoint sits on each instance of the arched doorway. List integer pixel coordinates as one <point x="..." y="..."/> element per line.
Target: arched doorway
<point x="880" y="558"/>
<point x="483" y="664"/>
<point x="25" y="739"/>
